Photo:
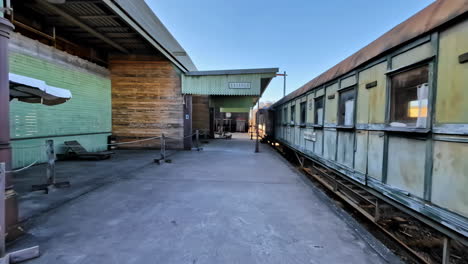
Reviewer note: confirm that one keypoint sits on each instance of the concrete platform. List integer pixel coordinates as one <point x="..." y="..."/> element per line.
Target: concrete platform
<point x="224" y="204"/>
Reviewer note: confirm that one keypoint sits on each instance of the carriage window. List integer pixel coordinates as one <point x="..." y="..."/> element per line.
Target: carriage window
<point x="318" y="105"/>
<point x="303" y="113"/>
<point x="346" y="108"/>
<point x="293" y="114"/>
<point x="285" y="115"/>
<point x="279" y="115"/>
<point x="409" y="98"/>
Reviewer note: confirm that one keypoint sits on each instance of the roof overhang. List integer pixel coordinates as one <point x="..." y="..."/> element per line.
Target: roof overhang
<point x="106" y="26"/>
<point x="31" y="90"/>
<point x="233" y="72"/>
<point x="241" y="82"/>
<point x="138" y="15"/>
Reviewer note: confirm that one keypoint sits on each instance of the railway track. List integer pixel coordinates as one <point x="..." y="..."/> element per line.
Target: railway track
<point x="421" y="242"/>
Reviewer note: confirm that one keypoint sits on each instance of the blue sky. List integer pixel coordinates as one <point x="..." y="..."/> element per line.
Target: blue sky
<point x="303" y="37"/>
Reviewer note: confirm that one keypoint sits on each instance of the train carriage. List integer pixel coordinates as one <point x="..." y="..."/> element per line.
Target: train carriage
<point x="394" y="116"/>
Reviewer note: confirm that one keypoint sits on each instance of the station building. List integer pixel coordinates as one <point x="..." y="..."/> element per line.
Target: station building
<point x="119" y="73"/>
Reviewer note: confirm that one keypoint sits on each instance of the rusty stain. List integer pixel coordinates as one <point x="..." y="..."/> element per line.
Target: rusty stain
<point x="426" y="20"/>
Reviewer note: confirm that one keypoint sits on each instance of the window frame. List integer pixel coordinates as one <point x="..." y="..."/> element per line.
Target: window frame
<point x="352" y="89"/>
<point x="292" y="115"/>
<point x="303" y="108"/>
<point x="430" y="81"/>
<point x="316" y="99"/>
<point x="284" y="117"/>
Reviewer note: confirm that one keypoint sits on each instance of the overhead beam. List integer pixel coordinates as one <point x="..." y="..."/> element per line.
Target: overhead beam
<point x="100" y="29"/>
<point x="87" y="17"/>
<point x="144" y="34"/>
<point x="98" y="16"/>
<point x="83" y="2"/>
<point x="82" y="25"/>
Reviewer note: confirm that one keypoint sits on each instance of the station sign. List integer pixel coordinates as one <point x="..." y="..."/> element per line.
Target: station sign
<point x="240" y="85"/>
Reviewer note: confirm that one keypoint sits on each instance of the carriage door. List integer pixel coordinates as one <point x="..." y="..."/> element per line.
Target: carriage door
<point x="370" y="120"/>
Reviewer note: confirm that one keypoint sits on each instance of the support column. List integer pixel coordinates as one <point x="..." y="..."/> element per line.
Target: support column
<point x="188" y="123"/>
<point x="11" y="206"/>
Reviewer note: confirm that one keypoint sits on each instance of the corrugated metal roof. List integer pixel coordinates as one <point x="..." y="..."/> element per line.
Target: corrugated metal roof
<point x="233" y="72"/>
<point x="433" y="16"/>
<point x="220" y="84"/>
<point x="141" y="13"/>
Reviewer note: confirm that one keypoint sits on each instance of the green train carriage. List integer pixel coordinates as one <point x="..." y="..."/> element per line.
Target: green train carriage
<point x="394" y="116"/>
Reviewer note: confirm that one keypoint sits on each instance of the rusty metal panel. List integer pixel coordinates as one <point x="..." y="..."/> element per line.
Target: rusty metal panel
<point x="318" y="145"/>
<point x="435" y="15"/>
<point x="331" y="104"/>
<point x="375" y="154"/>
<point x="310" y="109"/>
<point x="329" y="148"/>
<point x="345" y="149"/>
<point x="413" y="55"/>
<point x="452" y="77"/>
<point x="347" y="82"/>
<point x="371" y="106"/>
<point x="360" y="158"/>
<point x="449" y="178"/>
<point x="406" y="163"/>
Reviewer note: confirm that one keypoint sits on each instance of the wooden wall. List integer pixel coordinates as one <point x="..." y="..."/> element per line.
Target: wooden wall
<point x="201" y="112"/>
<point x="146" y="99"/>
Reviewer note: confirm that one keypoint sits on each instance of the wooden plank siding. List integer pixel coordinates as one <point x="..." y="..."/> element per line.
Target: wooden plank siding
<point x="146" y="100"/>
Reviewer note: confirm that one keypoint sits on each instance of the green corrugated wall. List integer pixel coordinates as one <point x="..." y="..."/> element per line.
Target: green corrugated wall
<point x="219" y="84"/>
<point x="86" y="117"/>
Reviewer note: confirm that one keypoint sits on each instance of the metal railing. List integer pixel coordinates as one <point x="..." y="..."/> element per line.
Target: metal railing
<point x="48" y="150"/>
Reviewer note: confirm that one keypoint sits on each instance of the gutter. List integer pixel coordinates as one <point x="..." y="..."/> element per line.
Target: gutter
<point x="122" y="14"/>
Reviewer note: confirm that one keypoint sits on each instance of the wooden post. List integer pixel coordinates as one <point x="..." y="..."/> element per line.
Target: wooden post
<point x="163" y="147"/>
<point x="446" y="251"/>
<point x="50" y="162"/>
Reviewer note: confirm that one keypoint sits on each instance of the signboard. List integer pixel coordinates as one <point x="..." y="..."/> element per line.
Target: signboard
<point x="311" y="136"/>
<point x="240" y="85"/>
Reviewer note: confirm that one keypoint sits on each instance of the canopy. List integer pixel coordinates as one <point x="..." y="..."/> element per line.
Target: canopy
<point x="32" y="90"/>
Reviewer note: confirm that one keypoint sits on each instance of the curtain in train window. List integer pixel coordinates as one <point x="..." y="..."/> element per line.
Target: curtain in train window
<point x="318" y="105"/>
<point x="293" y="114"/>
<point x="303" y="113"/>
<point x="409" y="98"/>
<point x="346" y="108"/>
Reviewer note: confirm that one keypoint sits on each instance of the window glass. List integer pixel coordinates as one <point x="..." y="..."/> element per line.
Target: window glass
<point x="285" y="115"/>
<point x="293" y="114"/>
<point x="303" y="113"/>
<point x="318" y="118"/>
<point x="279" y="115"/>
<point x="346" y="108"/>
<point x="409" y="98"/>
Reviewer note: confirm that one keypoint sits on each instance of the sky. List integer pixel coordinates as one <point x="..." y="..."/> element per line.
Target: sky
<point x="302" y="37"/>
